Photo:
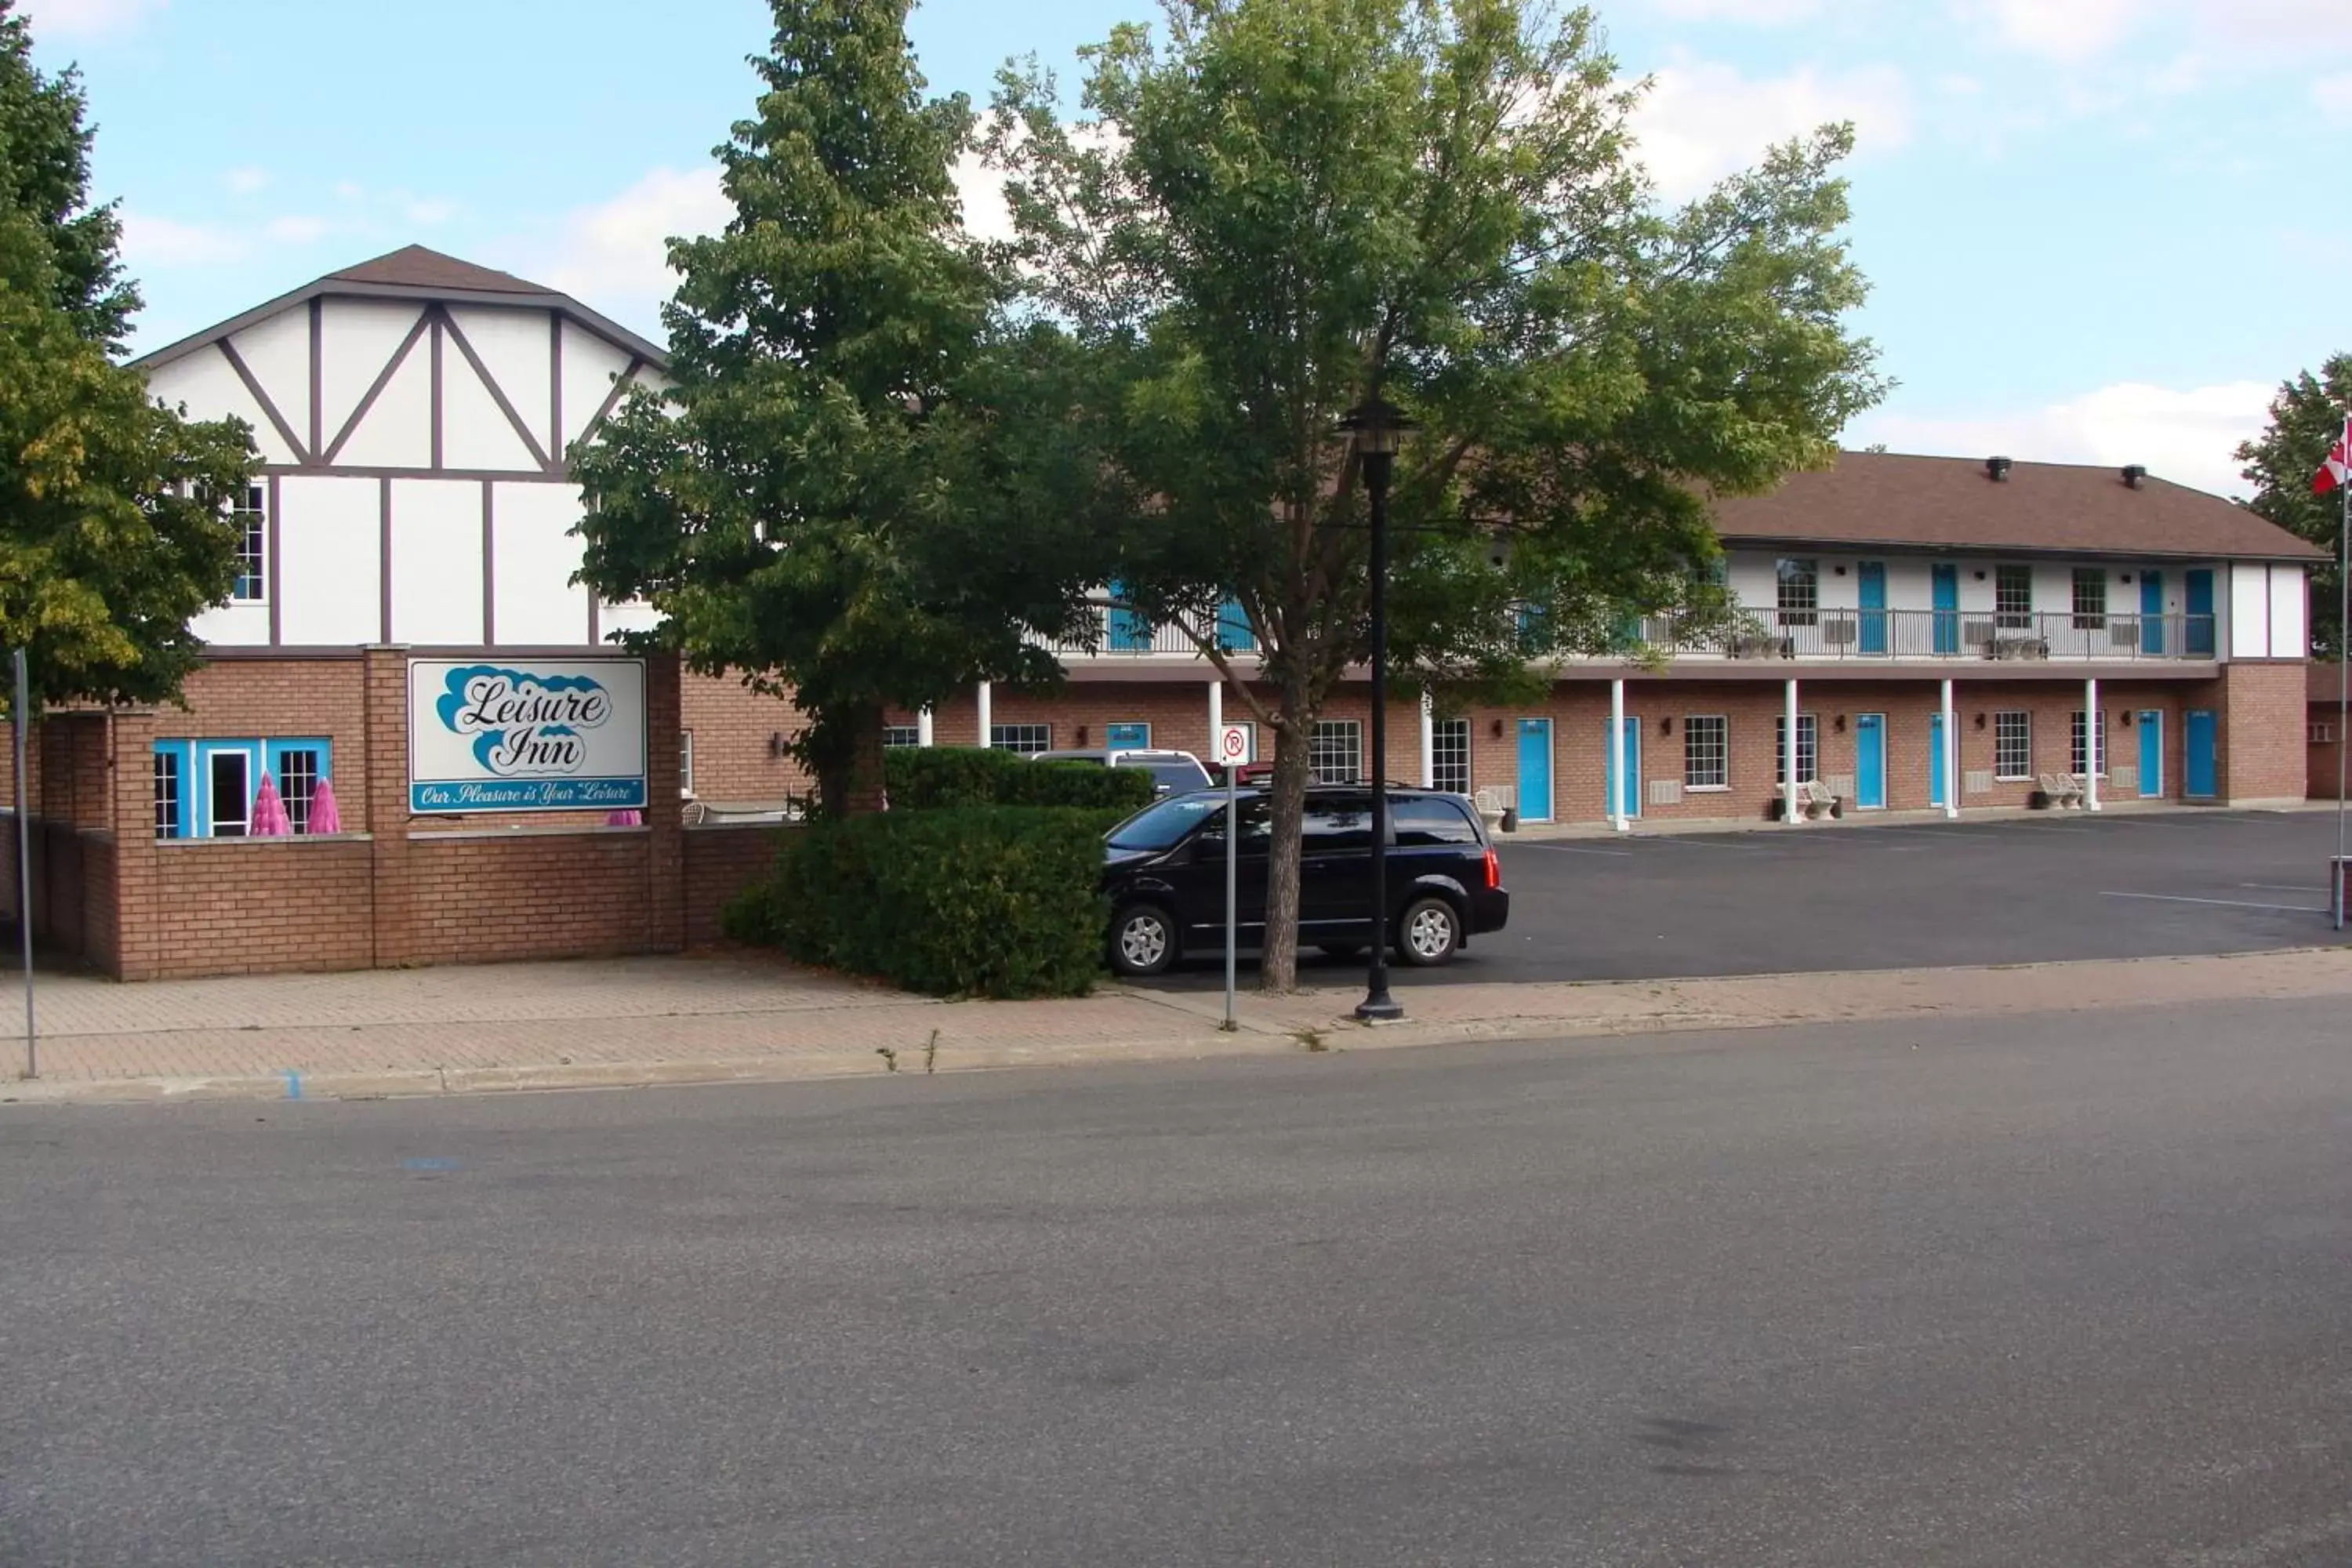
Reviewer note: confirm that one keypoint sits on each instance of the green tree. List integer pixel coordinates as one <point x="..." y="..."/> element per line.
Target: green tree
<point x="1278" y="208"/>
<point x="113" y="526"/>
<point x="2306" y="419"/>
<point x="848" y="494"/>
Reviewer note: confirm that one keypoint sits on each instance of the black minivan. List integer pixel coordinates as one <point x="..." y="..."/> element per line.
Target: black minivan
<point x="1164" y="869"/>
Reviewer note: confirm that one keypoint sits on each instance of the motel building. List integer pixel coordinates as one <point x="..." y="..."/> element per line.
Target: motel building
<point x="460" y="766"/>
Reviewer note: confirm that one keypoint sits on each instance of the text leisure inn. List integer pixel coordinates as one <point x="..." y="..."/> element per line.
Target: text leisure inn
<point x="473" y="771"/>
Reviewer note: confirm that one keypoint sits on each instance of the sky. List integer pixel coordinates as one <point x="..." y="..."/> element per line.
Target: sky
<point x="2098" y="231"/>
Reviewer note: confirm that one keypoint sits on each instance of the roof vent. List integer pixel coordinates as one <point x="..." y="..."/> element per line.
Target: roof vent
<point x="1998" y="469"/>
<point x="2133" y="474"/>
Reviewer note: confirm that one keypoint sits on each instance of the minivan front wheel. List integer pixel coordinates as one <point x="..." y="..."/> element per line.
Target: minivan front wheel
<point x="1430" y="932"/>
<point x="1142" y="940"/>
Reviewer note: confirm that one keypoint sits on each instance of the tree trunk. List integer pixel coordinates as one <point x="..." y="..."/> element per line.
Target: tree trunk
<point x="1278" y="970"/>
<point x="849" y="770"/>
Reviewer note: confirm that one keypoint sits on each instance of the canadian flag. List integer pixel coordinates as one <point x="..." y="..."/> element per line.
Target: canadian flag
<point x="2337" y="470"/>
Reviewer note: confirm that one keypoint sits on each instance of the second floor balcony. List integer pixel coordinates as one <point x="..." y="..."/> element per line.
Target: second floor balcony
<point x="1936" y="635"/>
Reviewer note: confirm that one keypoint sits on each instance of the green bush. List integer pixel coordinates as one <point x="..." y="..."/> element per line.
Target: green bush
<point x="942" y="778"/>
<point x="954" y="902"/>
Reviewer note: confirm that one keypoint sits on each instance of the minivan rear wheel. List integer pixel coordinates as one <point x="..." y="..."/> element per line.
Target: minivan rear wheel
<point x="1142" y="940"/>
<point x="1430" y="932"/>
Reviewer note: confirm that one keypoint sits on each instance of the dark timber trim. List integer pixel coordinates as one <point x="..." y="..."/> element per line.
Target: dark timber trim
<point x="253" y="384"/>
<point x="491" y="383"/>
<point x="375" y="390"/>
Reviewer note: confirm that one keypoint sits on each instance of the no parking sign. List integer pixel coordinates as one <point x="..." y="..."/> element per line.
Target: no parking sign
<point x="1233" y="745"/>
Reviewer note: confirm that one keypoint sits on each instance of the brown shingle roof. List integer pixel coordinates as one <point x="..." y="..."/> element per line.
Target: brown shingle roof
<point x="414" y="266"/>
<point x="1886" y="500"/>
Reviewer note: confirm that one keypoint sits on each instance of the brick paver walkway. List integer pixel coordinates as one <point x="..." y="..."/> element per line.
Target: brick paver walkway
<point x="699" y="1019"/>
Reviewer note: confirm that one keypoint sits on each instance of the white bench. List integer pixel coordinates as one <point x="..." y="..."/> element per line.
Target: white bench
<point x="2064" y="791"/>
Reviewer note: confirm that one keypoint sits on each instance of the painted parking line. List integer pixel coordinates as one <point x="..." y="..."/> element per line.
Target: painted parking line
<point x="2218" y="903"/>
<point x="2284" y="887"/>
<point x="1664" y="840"/>
<point x="1571" y="849"/>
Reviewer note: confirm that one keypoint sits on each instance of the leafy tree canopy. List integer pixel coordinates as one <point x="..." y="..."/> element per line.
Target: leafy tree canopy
<point x="1270" y="210"/>
<point x="862" y="488"/>
<point x="113" y="530"/>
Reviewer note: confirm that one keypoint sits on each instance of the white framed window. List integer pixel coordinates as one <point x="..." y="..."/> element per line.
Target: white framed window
<point x="2079" y="753"/>
<point x="2090" y="598"/>
<point x="1335" y="753"/>
<point x="1027" y="739"/>
<point x="1800" y="592"/>
<point x="228" y="794"/>
<point x="1449" y="756"/>
<point x="248" y="514"/>
<point x="1706" y="751"/>
<point x="2012" y="744"/>
<point x="686" y="765"/>
<point x="170" y="792"/>
<point x="2013" y="597"/>
<point x="1808" y="750"/>
<point x="300" y="768"/>
<point x="2323" y="734"/>
<point x="901" y="737"/>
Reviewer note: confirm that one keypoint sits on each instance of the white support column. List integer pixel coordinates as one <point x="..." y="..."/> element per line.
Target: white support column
<point x="1951" y="757"/>
<point x="1617" y="817"/>
<point x="925" y="732"/>
<point x="1428" y="743"/>
<point x="987" y="714"/>
<point x="2092" y="761"/>
<point x="1791" y="811"/>
<point x="1216" y="719"/>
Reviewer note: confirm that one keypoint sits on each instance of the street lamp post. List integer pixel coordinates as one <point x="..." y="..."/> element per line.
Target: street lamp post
<point x="1377" y="429"/>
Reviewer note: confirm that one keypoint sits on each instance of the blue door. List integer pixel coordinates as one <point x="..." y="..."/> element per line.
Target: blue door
<point x="1946" y="588"/>
<point x="2151" y="612"/>
<point x="1872" y="578"/>
<point x="1128" y="632"/>
<point x="2151" y="753"/>
<point x="1534" y="770"/>
<point x="1935" y="759"/>
<point x="2200" y="615"/>
<point x="1870" y="761"/>
<point x="1627" y="798"/>
<point x="2202" y="779"/>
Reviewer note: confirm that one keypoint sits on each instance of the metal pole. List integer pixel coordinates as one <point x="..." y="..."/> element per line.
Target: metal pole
<point x="2343" y="676"/>
<point x="1378" y="1006"/>
<point x="25" y="867"/>
<point x="1232" y="876"/>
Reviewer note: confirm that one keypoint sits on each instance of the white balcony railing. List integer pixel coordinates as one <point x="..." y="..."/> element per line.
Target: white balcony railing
<point x="1939" y="634"/>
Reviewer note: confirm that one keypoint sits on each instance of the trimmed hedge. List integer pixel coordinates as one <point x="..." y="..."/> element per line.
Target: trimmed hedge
<point x="1001" y="901"/>
<point x="939" y="778"/>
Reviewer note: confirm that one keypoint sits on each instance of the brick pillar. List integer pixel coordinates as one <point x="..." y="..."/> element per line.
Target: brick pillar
<point x="385" y="680"/>
<point x="665" y="808"/>
<point x="137" y="916"/>
<point x="2263" y="707"/>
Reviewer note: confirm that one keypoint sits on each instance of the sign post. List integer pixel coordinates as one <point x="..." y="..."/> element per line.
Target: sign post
<point x="24" y="867"/>
<point x="1232" y="751"/>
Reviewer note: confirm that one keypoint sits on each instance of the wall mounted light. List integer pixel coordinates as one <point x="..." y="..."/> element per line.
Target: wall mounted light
<point x="1082" y="734"/>
<point x="1840" y="571"/>
<point x="1666" y="725"/>
<point x="1980" y="720"/>
<point x="1840" y="725"/>
<point x="1980" y="576"/>
<point x="2124" y="577"/>
<point x="1498" y="729"/>
<point x="775" y="745"/>
<point x="2126" y="717"/>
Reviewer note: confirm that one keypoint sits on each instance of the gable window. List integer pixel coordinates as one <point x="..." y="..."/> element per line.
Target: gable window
<point x="2090" y="598"/>
<point x="1706" y="751"/>
<point x="2013" y="598"/>
<point x="2012" y="745"/>
<point x="1800" y="592"/>
<point x="248" y="515"/>
<point x="1809" y="750"/>
<point x="1335" y="753"/>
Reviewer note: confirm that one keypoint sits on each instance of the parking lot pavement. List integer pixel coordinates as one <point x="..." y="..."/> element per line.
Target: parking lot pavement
<point x="1913" y="894"/>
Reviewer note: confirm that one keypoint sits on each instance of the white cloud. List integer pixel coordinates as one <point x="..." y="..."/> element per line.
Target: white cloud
<point x="430" y="212"/>
<point x="88" y="19"/>
<point x="151" y="242"/>
<point x="980" y="190"/>
<point x="1756" y="12"/>
<point x="245" y="182"/>
<point x="2187" y="436"/>
<point x="615" y="255"/>
<point x="2221" y="30"/>
<point x="296" y="228"/>
<point x="2333" y="97"/>
<point x="1702" y="121"/>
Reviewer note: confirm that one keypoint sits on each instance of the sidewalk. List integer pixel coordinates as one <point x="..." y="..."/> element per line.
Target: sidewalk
<point x="734" y="1017"/>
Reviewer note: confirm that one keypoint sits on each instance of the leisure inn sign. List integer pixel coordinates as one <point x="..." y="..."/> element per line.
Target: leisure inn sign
<point x="554" y="735"/>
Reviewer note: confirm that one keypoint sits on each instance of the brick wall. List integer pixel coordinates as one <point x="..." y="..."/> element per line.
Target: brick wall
<point x="494" y="897"/>
<point x="734" y="760"/>
<point x="720" y="862"/>
<point x="255" y="906"/>
<point x="2264" y="750"/>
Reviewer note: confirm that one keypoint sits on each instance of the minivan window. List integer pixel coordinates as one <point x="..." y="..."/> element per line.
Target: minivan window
<point x="1175" y="774"/>
<point x="1338" y="824"/>
<point x="1257" y="828"/>
<point x="1429" y="819"/>
<point x="1162" y="825"/>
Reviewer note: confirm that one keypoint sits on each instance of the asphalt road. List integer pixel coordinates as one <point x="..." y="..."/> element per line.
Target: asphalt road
<point x="2064" y="886"/>
<point x="2070" y="1290"/>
